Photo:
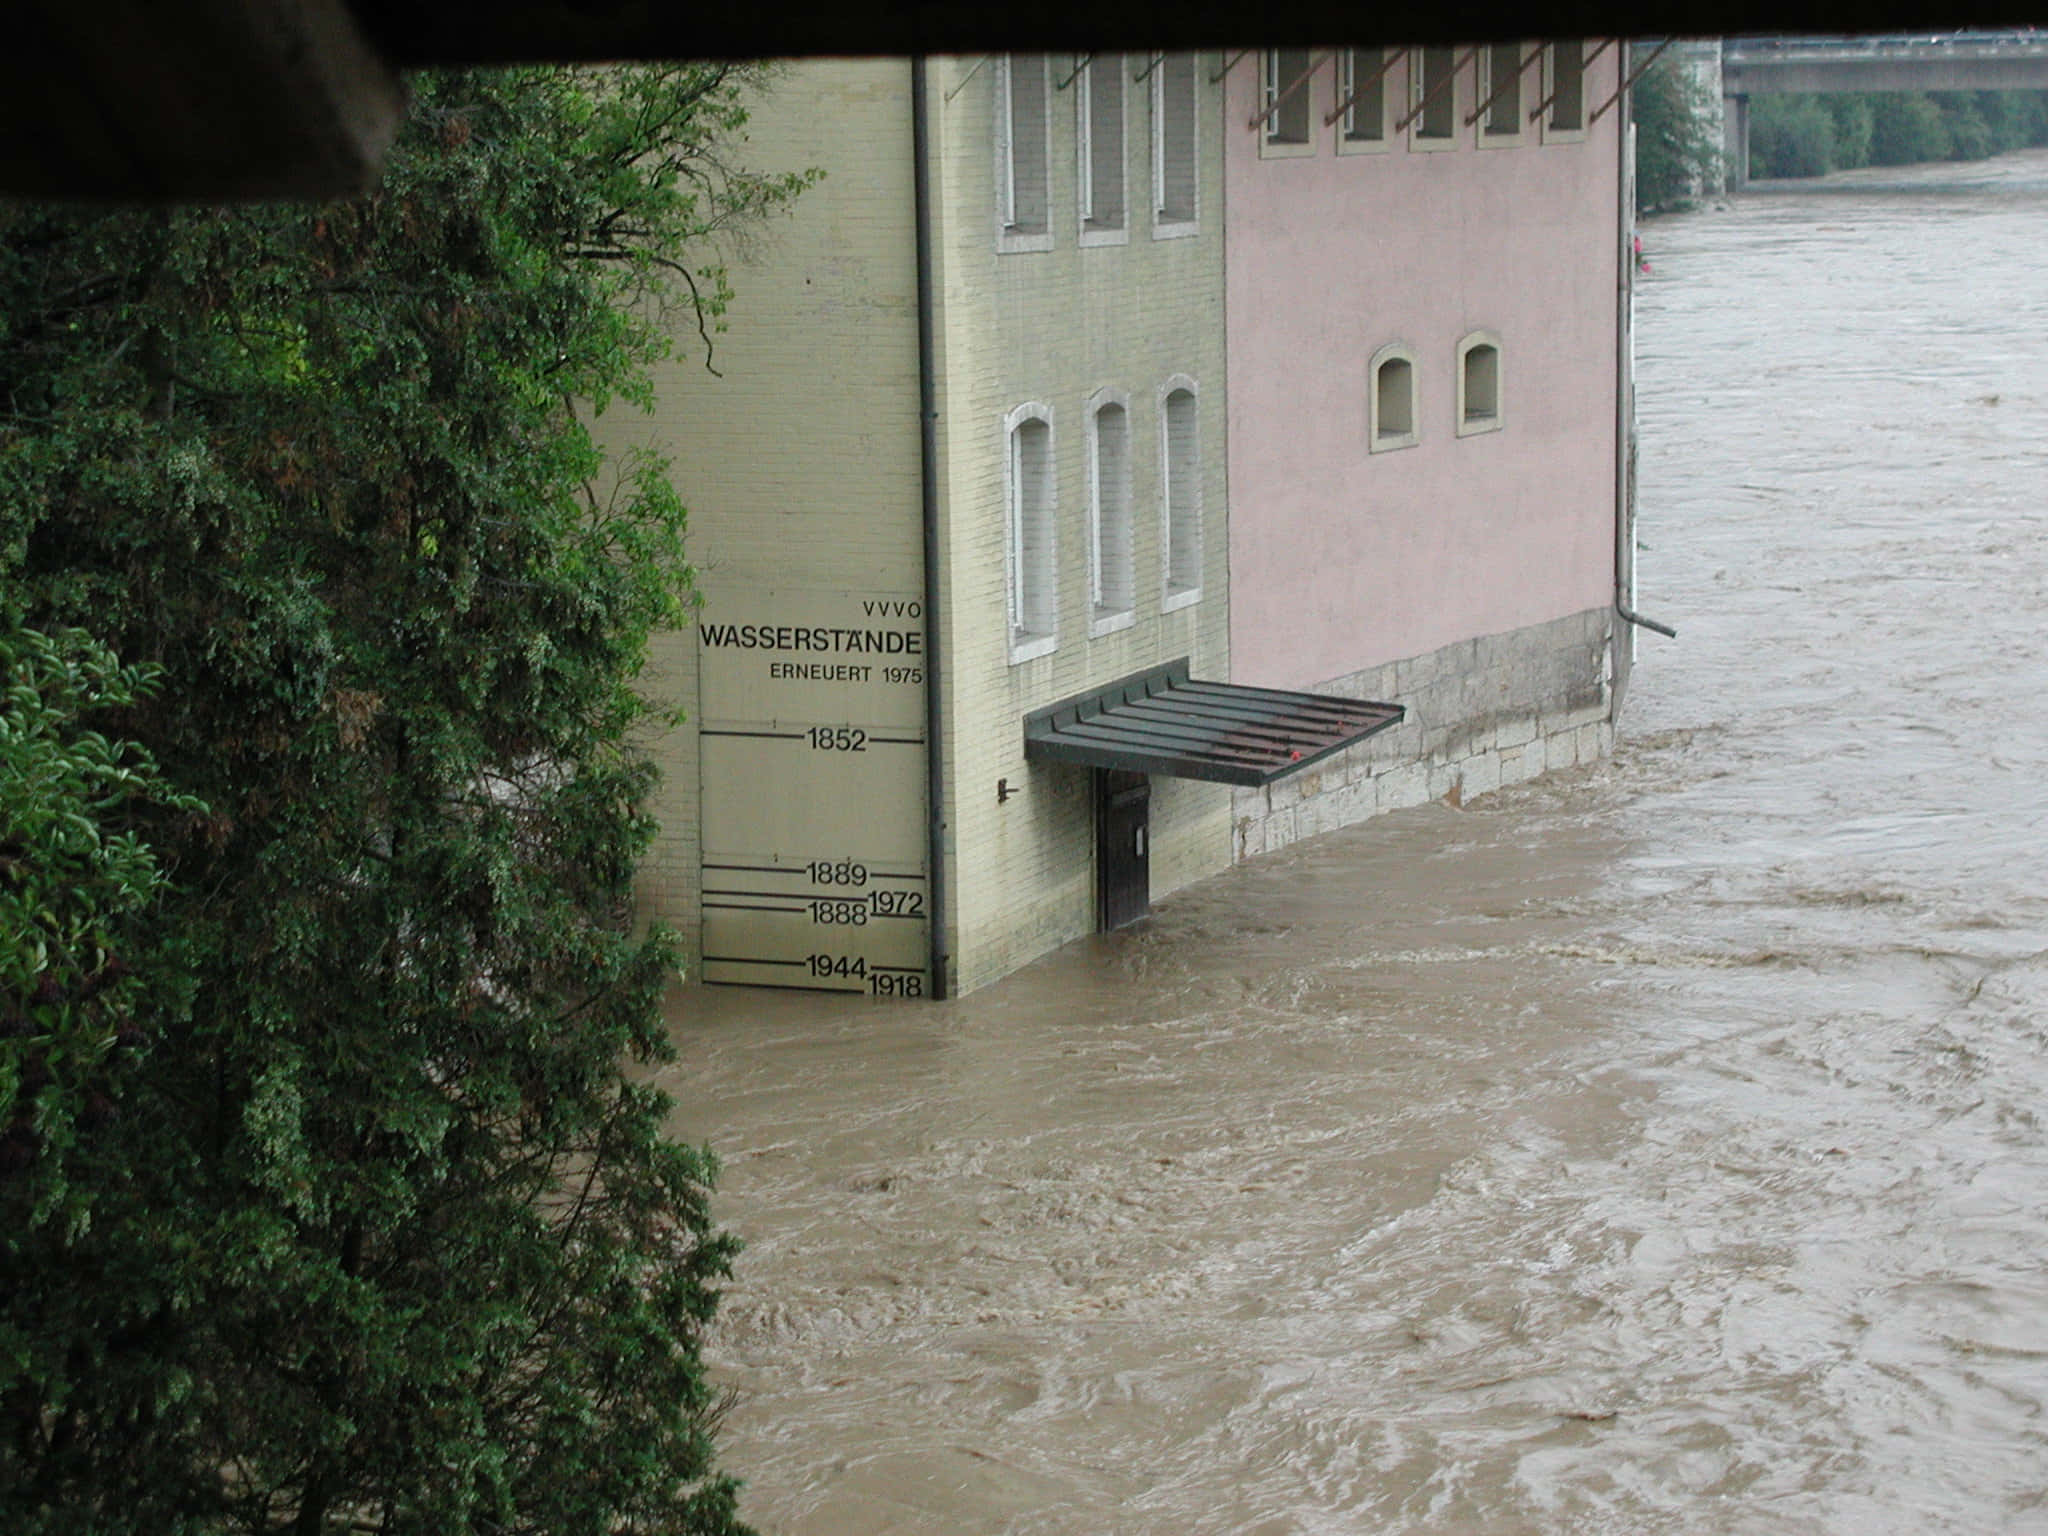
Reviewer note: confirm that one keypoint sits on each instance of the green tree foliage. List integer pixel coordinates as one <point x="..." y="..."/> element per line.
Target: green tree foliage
<point x="76" y="887"/>
<point x="1676" y="156"/>
<point x="1906" y="128"/>
<point x="1850" y="113"/>
<point x="331" y="1198"/>
<point x="1790" y="136"/>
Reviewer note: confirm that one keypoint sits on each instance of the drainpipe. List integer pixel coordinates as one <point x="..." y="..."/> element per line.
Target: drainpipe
<point x="928" y="465"/>
<point x="1625" y="422"/>
<point x="1623" y="643"/>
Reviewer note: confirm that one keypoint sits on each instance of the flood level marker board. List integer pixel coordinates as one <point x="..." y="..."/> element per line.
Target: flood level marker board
<point x="811" y="762"/>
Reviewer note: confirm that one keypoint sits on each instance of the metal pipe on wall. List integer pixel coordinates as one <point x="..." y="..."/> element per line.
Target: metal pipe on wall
<point x="928" y="465"/>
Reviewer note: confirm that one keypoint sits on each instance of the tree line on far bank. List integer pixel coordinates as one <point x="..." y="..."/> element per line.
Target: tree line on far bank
<point x="1811" y="135"/>
<point x="1678" y="151"/>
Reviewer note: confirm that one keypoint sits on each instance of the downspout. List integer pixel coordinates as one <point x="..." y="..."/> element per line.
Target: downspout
<point x="1625" y="415"/>
<point x="928" y="465"/>
<point x="1623" y="642"/>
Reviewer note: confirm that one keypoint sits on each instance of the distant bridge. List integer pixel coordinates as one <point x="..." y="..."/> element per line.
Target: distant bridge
<point x="1920" y="61"/>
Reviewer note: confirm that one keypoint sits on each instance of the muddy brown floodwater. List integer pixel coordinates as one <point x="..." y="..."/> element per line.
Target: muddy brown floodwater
<point x="1657" y="1147"/>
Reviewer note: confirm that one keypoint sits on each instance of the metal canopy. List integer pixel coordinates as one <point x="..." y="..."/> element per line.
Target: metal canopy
<point x="1164" y="722"/>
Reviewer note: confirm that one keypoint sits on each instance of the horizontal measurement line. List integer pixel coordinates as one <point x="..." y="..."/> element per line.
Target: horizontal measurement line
<point x="771" y="735"/>
<point x="713" y="981"/>
<point x="874" y="875"/>
<point x="907" y="970"/>
<point x="744" y="906"/>
<point x="896" y="741"/>
<point x="748" y="960"/>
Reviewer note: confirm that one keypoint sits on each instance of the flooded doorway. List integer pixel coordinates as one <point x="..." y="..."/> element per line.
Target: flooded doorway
<point x="1123" y="855"/>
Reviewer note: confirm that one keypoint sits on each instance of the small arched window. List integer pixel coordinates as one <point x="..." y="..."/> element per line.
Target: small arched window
<point x="1112" y="564"/>
<point x="1392" y="407"/>
<point x="1180" y="491"/>
<point x="1479" y="399"/>
<point x="1032" y="564"/>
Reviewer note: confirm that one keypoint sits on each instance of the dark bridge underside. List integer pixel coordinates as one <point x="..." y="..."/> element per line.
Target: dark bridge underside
<point x="1164" y="722"/>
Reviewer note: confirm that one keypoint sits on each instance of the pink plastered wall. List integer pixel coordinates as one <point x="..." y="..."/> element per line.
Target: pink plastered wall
<point x="1342" y="558"/>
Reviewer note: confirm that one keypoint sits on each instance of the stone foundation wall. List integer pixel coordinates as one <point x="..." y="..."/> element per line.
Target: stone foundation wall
<point x="1495" y="710"/>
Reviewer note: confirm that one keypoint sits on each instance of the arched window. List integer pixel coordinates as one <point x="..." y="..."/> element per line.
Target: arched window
<point x="1180" y="491"/>
<point x="1112" y="565"/>
<point x="1391" y="411"/>
<point x="1479" y="384"/>
<point x="1033" y="568"/>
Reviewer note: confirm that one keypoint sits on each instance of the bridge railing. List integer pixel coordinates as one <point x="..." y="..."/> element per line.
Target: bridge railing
<point x="1862" y="44"/>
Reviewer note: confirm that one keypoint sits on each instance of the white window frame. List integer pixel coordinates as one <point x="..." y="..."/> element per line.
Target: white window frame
<point x="1270" y="87"/>
<point x="1551" y="133"/>
<point x="1025" y="640"/>
<point x="1095" y="231"/>
<point x="1386" y="442"/>
<point x="1105" y="617"/>
<point x="1517" y="114"/>
<point x="1165" y="227"/>
<point x="1470" y="424"/>
<point x="1393" y="100"/>
<point x="1009" y="236"/>
<point x="1170" y="598"/>
<point x="1418" y="88"/>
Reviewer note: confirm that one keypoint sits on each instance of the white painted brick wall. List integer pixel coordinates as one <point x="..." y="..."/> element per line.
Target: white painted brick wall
<point x="1056" y="326"/>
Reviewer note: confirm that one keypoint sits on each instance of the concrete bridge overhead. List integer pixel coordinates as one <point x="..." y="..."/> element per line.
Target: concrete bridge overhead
<point x="1922" y="61"/>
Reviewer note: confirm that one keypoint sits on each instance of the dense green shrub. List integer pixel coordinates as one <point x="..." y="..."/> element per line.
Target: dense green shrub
<point x="1850" y="113"/>
<point x="1790" y="136"/>
<point x="330" y="1197"/>
<point x="1906" y="129"/>
<point x="1970" y="135"/>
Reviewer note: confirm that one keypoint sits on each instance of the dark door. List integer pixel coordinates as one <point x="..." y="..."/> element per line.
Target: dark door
<point x="1123" y="851"/>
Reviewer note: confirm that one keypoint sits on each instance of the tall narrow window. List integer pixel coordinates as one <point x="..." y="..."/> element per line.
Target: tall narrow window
<point x="1181" y="492"/>
<point x="1112" y="568"/>
<point x="1022" y="152"/>
<point x="1099" y="137"/>
<point x="1500" y="90"/>
<point x="1391" y="413"/>
<point x="1033" y="571"/>
<point x="1436" y="98"/>
<point x="1567" y="90"/>
<point x="1174" y="137"/>
<point x="1285" y="128"/>
<point x="1362" y="79"/>
<point x="1479" y="383"/>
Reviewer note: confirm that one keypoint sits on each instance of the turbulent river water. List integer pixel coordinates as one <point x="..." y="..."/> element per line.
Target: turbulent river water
<point x="1658" y="1147"/>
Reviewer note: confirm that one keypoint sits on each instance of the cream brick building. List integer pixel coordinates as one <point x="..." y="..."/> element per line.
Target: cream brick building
<point x="965" y="461"/>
